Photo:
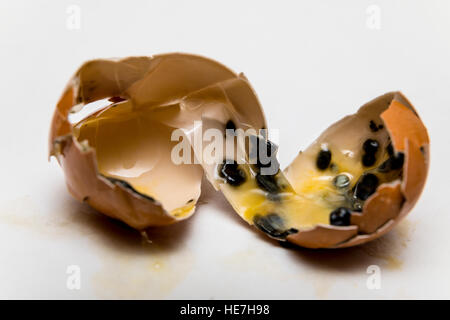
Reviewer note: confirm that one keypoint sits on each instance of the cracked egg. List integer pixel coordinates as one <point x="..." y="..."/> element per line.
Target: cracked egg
<point x="352" y="185"/>
<point x="118" y="158"/>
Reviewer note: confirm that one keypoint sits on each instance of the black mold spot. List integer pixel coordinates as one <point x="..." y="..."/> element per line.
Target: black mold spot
<point x="273" y="225"/>
<point x="366" y="186"/>
<point x="233" y="175"/>
<point x="340" y="217"/>
<point x="373" y="126"/>
<point x="422" y="149"/>
<point x="230" y="126"/>
<point x="258" y="142"/>
<point x="323" y="159"/>
<point x="86" y="199"/>
<point x="268" y="183"/>
<point x="371" y="146"/>
<point x="368" y="160"/>
<point x="395" y="162"/>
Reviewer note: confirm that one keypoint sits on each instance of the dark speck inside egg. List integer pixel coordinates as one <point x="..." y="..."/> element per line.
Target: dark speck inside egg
<point x="370" y="148"/>
<point x="273" y="225"/>
<point x="395" y="162"/>
<point x="366" y="186"/>
<point x="340" y="217"/>
<point x="323" y="159"/>
<point x="233" y="175"/>
<point x="230" y="125"/>
<point x="268" y="183"/>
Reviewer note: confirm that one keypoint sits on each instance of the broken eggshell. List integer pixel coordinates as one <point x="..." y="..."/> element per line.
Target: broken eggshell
<point x="391" y="201"/>
<point x="93" y="152"/>
<point x="257" y="202"/>
<point x="101" y="154"/>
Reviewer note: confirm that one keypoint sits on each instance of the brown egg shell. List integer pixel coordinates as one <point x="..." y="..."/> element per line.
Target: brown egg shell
<point x="392" y="201"/>
<point x="115" y="200"/>
<point x="156" y="81"/>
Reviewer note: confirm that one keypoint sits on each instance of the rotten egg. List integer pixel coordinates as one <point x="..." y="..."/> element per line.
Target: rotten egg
<point x="352" y="185"/>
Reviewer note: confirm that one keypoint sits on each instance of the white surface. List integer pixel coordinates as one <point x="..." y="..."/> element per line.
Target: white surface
<point x="311" y="63"/>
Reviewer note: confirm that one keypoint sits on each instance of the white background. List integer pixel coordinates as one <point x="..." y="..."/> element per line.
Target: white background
<point x="311" y="62"/>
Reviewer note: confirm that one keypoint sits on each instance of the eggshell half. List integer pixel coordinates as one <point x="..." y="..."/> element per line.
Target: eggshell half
<point x="392" y="201"/>
<point x="156" y="83"/>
